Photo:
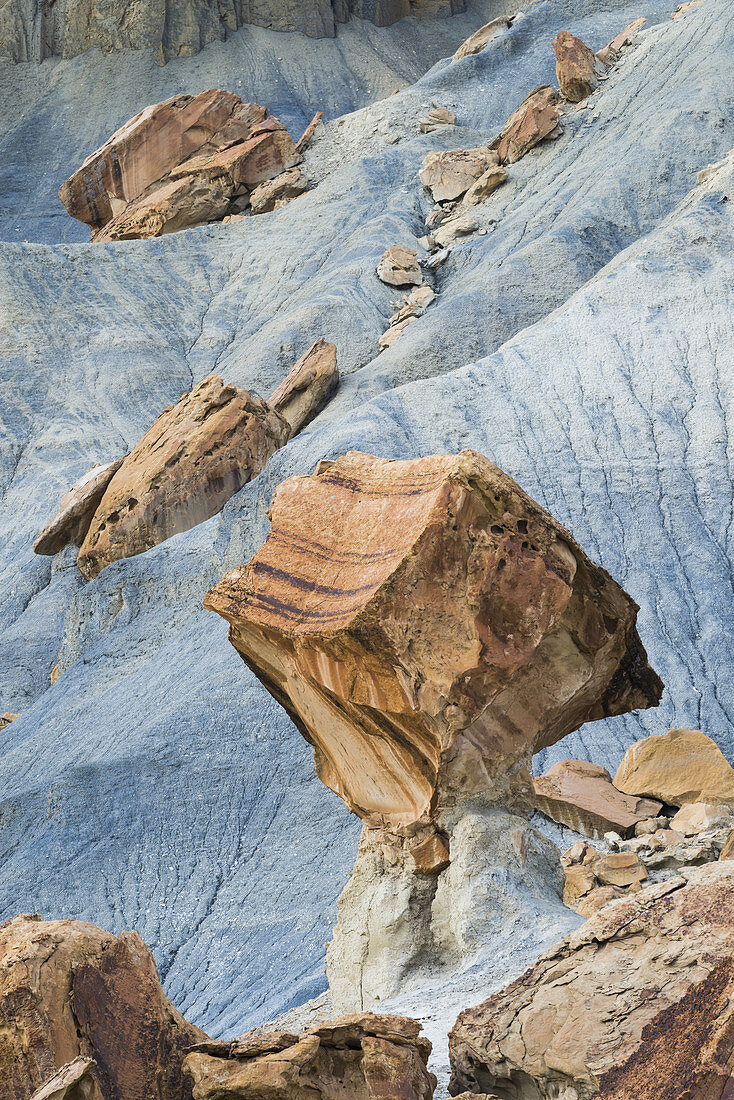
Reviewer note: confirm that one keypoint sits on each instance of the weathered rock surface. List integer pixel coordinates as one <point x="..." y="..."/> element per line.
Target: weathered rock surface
<point x="275" y="193"/>
<point x="399" y="267"/>
<point x="637" y="1002"/>
<point x="581" y="795"/>
<point x="71" y="993"/>
<point x="677" y="767"/>
<point x="536" y="118"/>
<point x="437" y="118"/>
<point x="449" y="175"/>
<point x="576" y="67"/>
<point x="360" y="1057"/>
<point x="180" y="28"/>
<point x="485" y="186"/>
<point x="196" y="455"/>
<point x="6" y="719"/>
<point x="177" y="164"/>
<point x="77" y="507"/>
<point x="611" y="53"/>
<point x="478" y="41"/>
<point x="699" y="817"/>
<point x="308" y="386"/>
<point x="411" y="617"/>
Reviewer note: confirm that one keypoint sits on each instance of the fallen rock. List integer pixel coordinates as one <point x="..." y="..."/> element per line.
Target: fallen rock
<point x="611" y="53"/>
<point x="727" y="852"/>
<point x="683" y="9"/>
<point x="581" y="795"/>
<point x="596" y="899"/>
<point x="175" y="205"/>
<point x="621" y="869"/>
<point x="308" y="134"/>
<point x="399" y="267"/>
<point x="485" y="186"/>
<point x="74" y="1081"/>
<point x="277" y="192"/>
<point x="507" y="576"/>
<point x="77" y="507"/>
<point x="395" y="331"/>
<point x="196" y="455"/>
<point x="70" y="995"/>
<point x="478" y="41"/>
<point x="436" y="119"/>
<point x="576" y="67"/>
<point x="308" y="386"/>
<point x="449" y="175"/>
<point x="453" y="228"/>
<point x="638" y="1002"/>
<point x="536" y="118"/>
<point x="580" y="880"/>
<point x="700" y="817"/>
<point x="6" y="719"/>
<point x="678" y="767"/>
<point x="431" y="856"/>
<point x="362" y="1057"/>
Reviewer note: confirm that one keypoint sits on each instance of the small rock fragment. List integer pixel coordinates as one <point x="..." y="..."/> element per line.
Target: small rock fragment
<point x="421" y="297"/>
<point x="611" y="53"/>
<point x="455" y="227"/>
<point x="388" y="338"/>
<point x="74" y="1081"/>
<point x="399" y="267"/>
<point x="427" y="243"/>
<point x="450" y="174"/>
<point x="431" y="856"/>
<point x="77" y="507"/>
<point x="436" y="119"/>
<point x="727" y="852"/>
<point x="437" y="259"/>
<point x="699" y="817"/>
<point x="307" y="136"/>
<point x="619" y="869"/>
<point x="683" y="9"/>
<point x="308" y="386"/>
<point x="597" y="899"/>
<point x="485" y="186"/>
<point x="6" y="719"/>
<point x="576" y="67"/>
<point x="478" y="41"/>
<point x="579" y="881"/>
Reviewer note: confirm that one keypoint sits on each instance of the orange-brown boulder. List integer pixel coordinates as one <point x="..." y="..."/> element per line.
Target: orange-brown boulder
<point x="678" y="767"/>
<point x="307" y="386"/>
<point x="576" y="67"/>
<point x="638" y="1002"/>
<point x="479" y="41"/>
<point x="196" y="455"/>
<point x="448" y="175"/>
<point x="581" y="795"/>
<point x="278" y="192"/>
<point x="72" y="995"/>
<point x="360" y="1057"/>
<point x="428" y="627"/>
<point x="536" y="118"/>
<point x="76" y="509"/>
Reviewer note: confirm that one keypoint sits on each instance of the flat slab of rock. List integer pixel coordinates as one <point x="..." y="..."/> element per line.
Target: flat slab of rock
<point x="576" y="67"/>
<point x="196" y="455"/>
<point x="361" y="1057"/>
<point x="479" y="41"/>
<point x="450" y="174"/>
<point x="77" y="507"/>
<point x="278" y="192"/>
<point x="399" y="267"/>
<point x="611" y="53"/>
<point x="308" y="386"/>
<point x="536" y="118"/>
<point x="411" y="617"/>
<point x="74" y="1081"/>
<point x="677" y="767"/>
<point x="638" y="1002"/>
<point x="581" y="795"/>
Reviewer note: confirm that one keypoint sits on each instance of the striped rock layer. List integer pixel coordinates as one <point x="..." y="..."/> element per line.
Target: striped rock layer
<point x="428" y="627"/>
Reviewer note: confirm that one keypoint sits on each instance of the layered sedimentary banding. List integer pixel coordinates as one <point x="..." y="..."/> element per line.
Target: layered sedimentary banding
<point x="428" y="627"/>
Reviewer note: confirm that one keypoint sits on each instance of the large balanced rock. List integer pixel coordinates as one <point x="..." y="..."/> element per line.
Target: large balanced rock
<point x="360" y="1057"/>
<point x="576" y="67"/>
<point x="412" y="617"/>
<point x="70" y="991"/>
<point x="536" y="118"/>
<point x="77" y="507"/>
<point x="176" y="164"/>
<point x="581" y="795"/>
<point x="196" y="455"/>
<point x="639" y="1002"/>
<point x="678" y="767"/>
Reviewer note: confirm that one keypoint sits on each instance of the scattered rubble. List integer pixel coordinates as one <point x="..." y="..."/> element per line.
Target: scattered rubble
<point x="449" y="175"/>
<point x="399" y="267"/>
<point x="413" y="306"/>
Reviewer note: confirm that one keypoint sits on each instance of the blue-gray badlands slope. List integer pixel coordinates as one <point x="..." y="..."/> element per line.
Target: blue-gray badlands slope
<point x="585" y="343"/>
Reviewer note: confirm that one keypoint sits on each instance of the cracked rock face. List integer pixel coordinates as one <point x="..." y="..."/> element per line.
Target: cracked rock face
<point x="428" y="627"/>
<point x="636" y="1003"/>
<point x="196" y="455"/>
<point x="74" y="996"/>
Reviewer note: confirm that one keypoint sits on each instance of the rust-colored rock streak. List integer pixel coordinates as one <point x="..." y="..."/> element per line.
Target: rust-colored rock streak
<point x="196" y="455"/>
<point x="638" y="1002"/>
<point x="308" y="385"/>
<point x="75" y="997"/>
<point x="428" y="627"/>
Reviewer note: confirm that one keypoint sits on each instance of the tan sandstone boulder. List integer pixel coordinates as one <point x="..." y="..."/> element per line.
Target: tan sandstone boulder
<point x="637" y="1003"/>
<point x="196" y="455"/>
<point x="449" y="175"/>
<point x="360" y="1057"/>
<point x="278" y="192"/>
<point x="678" y="767"/>
<point x="581" y="795"/>
<point x="576" y="67"/>
<point x="71" y="994"/>
<point x="399" y="267"/>
<point x="77" y="507"/>
<point x="428" y="627"/>
<point x="536" y="118"/>
<point x="308" y="386"/>
<point x="611" y="53"/>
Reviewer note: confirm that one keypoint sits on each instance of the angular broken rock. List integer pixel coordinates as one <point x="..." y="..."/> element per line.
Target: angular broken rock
<point x="535" y="119"/>
<point x="307" y="136"/>
<point x="612" y="52"/>
<point x="361" y="1057"/>
<point x="177" y="204"/>
<point x="277" y="192"/>
<point x="436" y="119"/>
<point x="684" y="8"/>
<point x="449" y="175"/>
<point x="485" y="186"/>
<point x="70" y="991"/>
<point x="580" y="795"/>
<point x="700" y="817"/>
<point x="395" y="331"/>
<point x="399" y="267"/>
<point x="428" y="627"/>
<point x="638" y="1002"/>
<point x="196" y="455"/>
<point x="678" y="767"/>
<point x="77" y="507"/>
<point x="576" y="67"/>
<point x="308" y="386"/>
<point x="478" y="41"/>
<point x="76" y="1080"/>
<point x="460" y="226"/>
<point x="619" y="869"/>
